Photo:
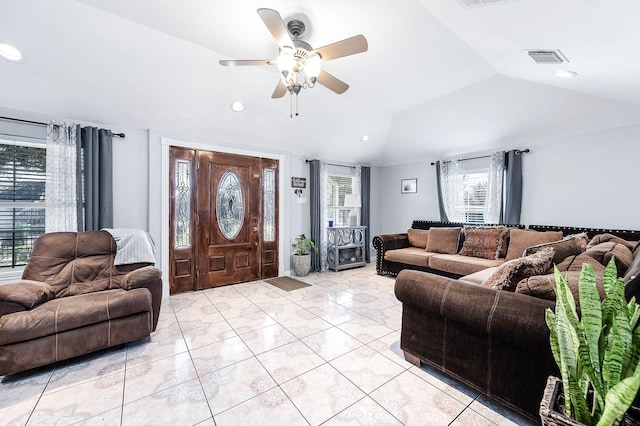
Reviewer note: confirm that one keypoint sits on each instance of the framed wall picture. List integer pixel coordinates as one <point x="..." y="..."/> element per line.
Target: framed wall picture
<point x="409" y="186"/>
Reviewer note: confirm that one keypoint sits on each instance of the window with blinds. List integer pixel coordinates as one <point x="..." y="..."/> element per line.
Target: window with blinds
<point x="475" y="195"/>
<point x="470" y="196"/>
<point x="337" y="187"/>
<point x="22" y="181"/>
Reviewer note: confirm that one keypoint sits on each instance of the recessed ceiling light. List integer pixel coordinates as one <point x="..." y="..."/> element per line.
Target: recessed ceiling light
<point x="364" y="138"/>
<point x="10" y="53"/>
<point x="565" y="73"/>
<point x="237" y="106"/>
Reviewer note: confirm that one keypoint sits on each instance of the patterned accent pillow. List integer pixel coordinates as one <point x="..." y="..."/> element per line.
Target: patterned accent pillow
<point x="484" y="242"/>
<point x="568" y="246"/>
<point x="509" y="274"/>
<point x="443" y="240"/>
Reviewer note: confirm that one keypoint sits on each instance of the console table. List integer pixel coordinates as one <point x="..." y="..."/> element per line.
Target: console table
<point x="345" y="247"/>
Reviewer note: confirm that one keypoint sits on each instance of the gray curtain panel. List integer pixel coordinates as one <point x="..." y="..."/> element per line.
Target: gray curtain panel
<point x="95" y="178"/>
<point x="513" y="187"/>
<point x="365" y="194"/>
<point x="443" y="212"/>
<point x="315" y="210"/>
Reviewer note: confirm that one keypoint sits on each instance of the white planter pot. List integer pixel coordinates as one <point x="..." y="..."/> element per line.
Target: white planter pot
<point x="301" y="264"/>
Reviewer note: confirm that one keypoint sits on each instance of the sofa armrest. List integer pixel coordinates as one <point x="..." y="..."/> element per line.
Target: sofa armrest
<point x="150" y="278"/>
<point x="503" y="315"/>
<point x="386" y="242"/>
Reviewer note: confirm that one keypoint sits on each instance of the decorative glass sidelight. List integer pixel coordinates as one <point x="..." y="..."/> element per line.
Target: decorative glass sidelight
<point x="183" y="204"/>
<point x="230" y="205"/>
<point x="269" y="208"/>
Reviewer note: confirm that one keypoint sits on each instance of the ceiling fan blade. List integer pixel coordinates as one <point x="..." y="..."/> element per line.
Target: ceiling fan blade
<point x="276" y="27"/>
<point x="330" y="82"/>
<point x="239" y="62"/>
<point x="339" y="49"/>
<point x="280" y="91"/>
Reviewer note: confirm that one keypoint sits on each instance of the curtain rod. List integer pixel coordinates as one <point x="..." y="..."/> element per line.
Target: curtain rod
<point x="332" y="164"/>
<point x="517" y="151"/>
<point x="39" y="123"/>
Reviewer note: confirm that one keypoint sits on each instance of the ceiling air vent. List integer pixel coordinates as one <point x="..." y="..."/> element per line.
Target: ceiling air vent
<point x="477" y="3"/>
<point x="547" y="56"/>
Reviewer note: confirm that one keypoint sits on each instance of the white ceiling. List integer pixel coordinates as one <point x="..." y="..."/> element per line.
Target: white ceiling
<point x="438" y="79"/>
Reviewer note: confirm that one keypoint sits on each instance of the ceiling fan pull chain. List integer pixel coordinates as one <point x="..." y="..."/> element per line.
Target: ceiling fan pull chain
<point x="291" y="105"/>
<point x="297" y="105"/>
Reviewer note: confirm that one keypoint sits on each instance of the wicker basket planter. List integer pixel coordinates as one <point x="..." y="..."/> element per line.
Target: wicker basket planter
<point x="550" y="414"/>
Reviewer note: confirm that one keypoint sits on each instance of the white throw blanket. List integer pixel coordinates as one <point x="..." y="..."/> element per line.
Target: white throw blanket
<point x="134" y="246"/>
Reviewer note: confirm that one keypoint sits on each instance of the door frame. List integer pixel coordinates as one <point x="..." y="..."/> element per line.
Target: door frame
<point x="165" y="144"/>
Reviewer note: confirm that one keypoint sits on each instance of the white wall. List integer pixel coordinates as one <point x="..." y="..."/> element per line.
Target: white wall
<point x="585" y="180"/>
<point x="299" y="221"/>
<point x="397" y="210"/>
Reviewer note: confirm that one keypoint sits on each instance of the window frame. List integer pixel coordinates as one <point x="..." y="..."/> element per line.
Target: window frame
<point x="463" y="212"/>
<point x="338" y="213"/>
<point x="11" y="271"/>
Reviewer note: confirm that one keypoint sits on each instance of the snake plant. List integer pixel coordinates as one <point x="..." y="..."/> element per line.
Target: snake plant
<point x="598" y="351"/>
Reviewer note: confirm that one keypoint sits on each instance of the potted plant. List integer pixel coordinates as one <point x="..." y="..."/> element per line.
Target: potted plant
<point x="597" y="352"/>
<point x="301" y="260"/>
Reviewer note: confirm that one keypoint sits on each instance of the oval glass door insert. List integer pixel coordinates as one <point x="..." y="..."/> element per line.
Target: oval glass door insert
<point x="230" y="205"/>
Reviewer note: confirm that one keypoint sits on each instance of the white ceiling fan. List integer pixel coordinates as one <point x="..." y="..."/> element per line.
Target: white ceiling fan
<point x="300" y="65"/>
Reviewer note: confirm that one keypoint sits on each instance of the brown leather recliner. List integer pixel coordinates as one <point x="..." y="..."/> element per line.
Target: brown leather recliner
<point x="73" y="300"/>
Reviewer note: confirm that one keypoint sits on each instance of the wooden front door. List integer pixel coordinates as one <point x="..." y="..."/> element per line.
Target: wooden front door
<point x="235" y="219"/>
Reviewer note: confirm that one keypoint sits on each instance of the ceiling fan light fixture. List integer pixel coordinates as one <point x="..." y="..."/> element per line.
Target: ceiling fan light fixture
<point x="312" y="67"/>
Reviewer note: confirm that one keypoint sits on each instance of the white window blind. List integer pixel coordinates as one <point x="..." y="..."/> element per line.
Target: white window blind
<point x="337" y="187"/>
<point x="22" y="182"/>
<point x="468" y="196"/>
<point x="475" y="196"/>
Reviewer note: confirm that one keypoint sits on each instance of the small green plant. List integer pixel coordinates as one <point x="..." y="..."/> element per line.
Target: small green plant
<point x="304" y="244"/>
<point x="599" y="353"/>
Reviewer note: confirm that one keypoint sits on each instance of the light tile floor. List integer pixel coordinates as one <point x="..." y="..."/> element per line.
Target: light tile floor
<point x="252" y="354"/>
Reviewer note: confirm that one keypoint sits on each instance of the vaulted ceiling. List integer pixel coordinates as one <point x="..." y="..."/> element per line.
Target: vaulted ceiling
<point x="438" y="79"/>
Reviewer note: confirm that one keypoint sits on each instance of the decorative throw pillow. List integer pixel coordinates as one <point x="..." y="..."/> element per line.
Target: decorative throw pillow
<point x="568" y="246"/>
<point x="509" y="274"/>
<point x="418" y="237"/>
<point x="484" y="242"/>
<point x="520" y="239"/>
<point x="505" y="244"/>
<point x="574" y="263"/>
<point x="604" y="238"/>
<point x="26" y="293"/>
<point x="582" y="239"/>
<point x="543" y="286"/>
<point x="443" y="240"/>
<point x="604" y="251"/>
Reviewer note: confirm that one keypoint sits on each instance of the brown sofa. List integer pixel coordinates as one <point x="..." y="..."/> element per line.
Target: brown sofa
<point x="496" y="341"/>
<point x="72" y="300"/>
<point x="395" y="252"/>
<point x="411" y="250"/>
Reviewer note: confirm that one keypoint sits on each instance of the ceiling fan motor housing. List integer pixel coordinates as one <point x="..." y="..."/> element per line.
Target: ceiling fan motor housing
<point x="296" y="28"/>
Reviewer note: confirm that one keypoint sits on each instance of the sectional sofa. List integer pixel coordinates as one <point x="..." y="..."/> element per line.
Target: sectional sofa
<point x="487" y="328"/>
